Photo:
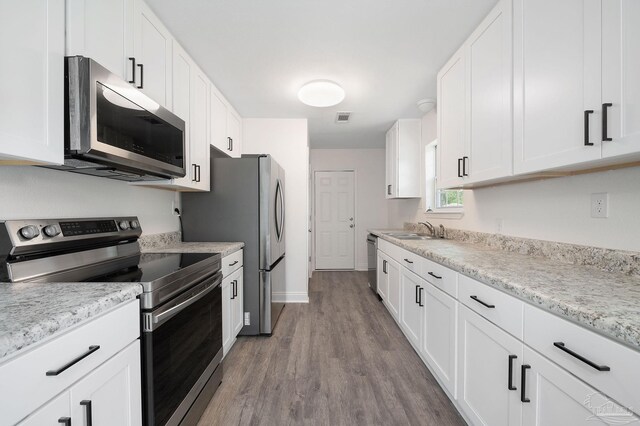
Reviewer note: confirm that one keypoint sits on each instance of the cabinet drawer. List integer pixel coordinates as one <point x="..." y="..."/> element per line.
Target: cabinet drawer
<point x="409" y="260"/>
<point x="31" y="386"/>
<point x="231" y="263"/>
<point x="550" y="334"/>
<point x="500" y="308"/>
<point x="440" y="276"/>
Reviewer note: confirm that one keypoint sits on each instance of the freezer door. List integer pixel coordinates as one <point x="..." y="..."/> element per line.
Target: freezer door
<point x="270" y="281"/>
<point x="272" y="214"/>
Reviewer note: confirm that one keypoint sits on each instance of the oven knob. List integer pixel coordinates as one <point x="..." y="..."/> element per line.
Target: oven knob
<point x="29" y="232"/>
<point x="51" y="230"/>
<point x="124" y="225"/>
<point x="134" y="224"/>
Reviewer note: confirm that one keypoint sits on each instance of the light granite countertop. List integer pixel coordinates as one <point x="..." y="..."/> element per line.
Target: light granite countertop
<point x="224" y="249"/>
<point x="607" y="302"/>
<point x="32" y="312"/>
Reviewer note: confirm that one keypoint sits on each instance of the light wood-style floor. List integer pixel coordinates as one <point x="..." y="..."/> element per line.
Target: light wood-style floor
<point x="339" y="360"/>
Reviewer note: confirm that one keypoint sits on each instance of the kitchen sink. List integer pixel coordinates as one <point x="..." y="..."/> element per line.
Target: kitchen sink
<point x="409" y="236"/>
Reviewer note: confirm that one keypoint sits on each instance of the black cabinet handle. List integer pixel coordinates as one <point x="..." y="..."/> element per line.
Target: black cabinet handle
<point x="562" y="347"/>
<point x="87" y="407"/>
<point x="464" y="166"/>
<point x="388" y="189"/>
<point x="420" y="296"/>
<point x="408" y="261"/>
<point x="195" y="173"/>
<point x="586" y="127"/>
<point x="482" y="303"/>
<point x="459" y="168"/>
<point x="66" y="421"/>
<point x="384" y="266"/>
<point x="234" y="263"/>
<point x="605" y="122"/>
<point x="133" y="70"/>
<point x="229" y="143"/>
<point x="434" y="275"/>
<point x="235" y="288"/>
<point x="198" y="171"/>
<point x="510" y="384"/>
<point x="523" y="382"/>
<point x="417" y="300"/>
<point x="141" y="76"/>
<point x="74" y="361"/>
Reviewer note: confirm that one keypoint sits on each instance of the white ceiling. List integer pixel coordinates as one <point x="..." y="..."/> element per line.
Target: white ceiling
<point x="384" y="53"/>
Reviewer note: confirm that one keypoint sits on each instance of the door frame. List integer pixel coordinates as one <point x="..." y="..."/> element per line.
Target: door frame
<point x="355" y="215"/>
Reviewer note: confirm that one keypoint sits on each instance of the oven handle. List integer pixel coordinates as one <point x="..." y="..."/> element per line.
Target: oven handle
<point x="154" y="321"/>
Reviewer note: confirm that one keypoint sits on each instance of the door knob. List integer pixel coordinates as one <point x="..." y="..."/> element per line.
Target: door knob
<point x="351" y="226"/>
<point x="351" y="219"/>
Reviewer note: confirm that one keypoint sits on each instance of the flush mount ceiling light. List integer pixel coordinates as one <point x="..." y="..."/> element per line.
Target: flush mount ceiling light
<point x="321" y="93"/>
<point x="426" y="105"/>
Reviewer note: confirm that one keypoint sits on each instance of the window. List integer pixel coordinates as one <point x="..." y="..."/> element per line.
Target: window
<point x="438" y="200"/>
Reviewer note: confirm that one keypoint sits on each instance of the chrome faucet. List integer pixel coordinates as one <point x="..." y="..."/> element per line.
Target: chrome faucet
<point x="429" y="227"/>
<point x="442" y="235"/>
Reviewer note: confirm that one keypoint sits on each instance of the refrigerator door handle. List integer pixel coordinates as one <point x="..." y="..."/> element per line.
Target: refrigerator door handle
<point x="279" y="214"/>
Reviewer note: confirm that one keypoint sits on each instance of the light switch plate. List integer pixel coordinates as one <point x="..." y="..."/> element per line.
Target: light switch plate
<point x="600" y="205"/>
<point x="247" y="320"/>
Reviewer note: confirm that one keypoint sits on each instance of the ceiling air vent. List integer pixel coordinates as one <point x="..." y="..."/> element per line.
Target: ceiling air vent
<point x="343" y="117"/>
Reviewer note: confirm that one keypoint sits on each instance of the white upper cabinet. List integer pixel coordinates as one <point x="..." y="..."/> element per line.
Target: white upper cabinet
<point x="226" y="126"/>
<point x="403" y="159"/>
<point x="474" y="114"/>
<point x="103" y="31"/>
<point x="620" y="81"/>
<point x="199" y="129"/>
<point x="557" y="75"/>
<point x="32" y="106"/>
<point x="152" y="47"/>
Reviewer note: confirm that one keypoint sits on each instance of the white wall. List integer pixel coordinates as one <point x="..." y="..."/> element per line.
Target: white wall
<point x="370" y="203"/>
<point x="33" y="192"/>
<point x="287" y="140"/>
<point x="552" y="209"/>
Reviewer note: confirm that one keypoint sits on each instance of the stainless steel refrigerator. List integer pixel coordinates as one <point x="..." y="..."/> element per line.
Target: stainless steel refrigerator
<point x="246" y="203"/>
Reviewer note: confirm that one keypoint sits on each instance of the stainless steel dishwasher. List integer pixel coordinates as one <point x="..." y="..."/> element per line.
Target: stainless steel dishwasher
<point x="372" y="260"/>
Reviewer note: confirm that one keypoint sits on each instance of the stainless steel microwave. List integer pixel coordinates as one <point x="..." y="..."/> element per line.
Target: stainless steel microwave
<point x="114" y="130"/>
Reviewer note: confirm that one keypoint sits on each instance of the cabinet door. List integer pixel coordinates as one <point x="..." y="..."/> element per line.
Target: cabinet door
<point x="411" y="311"/>
<point x="238" y="302"/>
<point x="227" y="313"/>
<point x="620" y="71"/>
<point x="219" y="135"/>
<point x="111" y="394"/>
<point x="181" y="100"/>
<point x="557" y="77"/>
<point x="152" y="46"/>
<point x="408" y="138"/>
<point x="53" y="413"/>
<point x="483" y="371"/>
<point x="489" y="96"/>
<point x="393" y="296"/>
<point x="556" y="397"/>
<point x="383" y="276"/>
<point x="439" y="336"/>
<point x="451" y="121"/>
<point x="391" y="157"/>
<point x="103" y="31"/>
<point x="32" y="87"/>
<point x="234" y="128"/>
<point x="199" y="128"/>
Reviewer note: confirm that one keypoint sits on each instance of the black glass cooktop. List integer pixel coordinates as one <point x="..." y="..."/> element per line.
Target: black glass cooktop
<point x="149" y="267"/>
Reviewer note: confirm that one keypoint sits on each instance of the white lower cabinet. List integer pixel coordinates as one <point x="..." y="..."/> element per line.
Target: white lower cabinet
<point x="56" y="412"/>
<point x="393" y="297"/>
<point x="232" y="299"/>
<point x="382" y="276"/>
<point x="411" y="307"/>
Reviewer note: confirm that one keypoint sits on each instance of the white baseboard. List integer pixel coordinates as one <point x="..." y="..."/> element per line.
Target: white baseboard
<point x="290" y="297"/>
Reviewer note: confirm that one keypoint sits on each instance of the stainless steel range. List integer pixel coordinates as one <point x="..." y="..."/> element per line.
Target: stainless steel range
<point x="181" y="316"/>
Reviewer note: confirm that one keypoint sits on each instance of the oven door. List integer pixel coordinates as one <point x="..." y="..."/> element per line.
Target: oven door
<point x="182" y="346"/>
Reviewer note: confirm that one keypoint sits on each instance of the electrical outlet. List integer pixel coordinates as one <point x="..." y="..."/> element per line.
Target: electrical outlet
<point x="600" y="205"/>
<point x="173" y="208"/>
<point x="247" y="321"/>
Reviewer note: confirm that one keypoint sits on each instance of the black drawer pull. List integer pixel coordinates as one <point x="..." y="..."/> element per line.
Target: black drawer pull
<point x="605" y="123"/>
<point x="482" y="303"/>
<point x="523" y="382"/>
<point x="510" y="384"/>
<point x="87" y="405"/>
<point x="66" y="421"/>
<point x="434" y="276"/>
<point x="562" y="347"/>
<point x="91" y="350"/>
<point x="408" y="261"/>
<point x="420" y="297"/>
<point x="586" y="127"/>
<point x="234" y="263"/>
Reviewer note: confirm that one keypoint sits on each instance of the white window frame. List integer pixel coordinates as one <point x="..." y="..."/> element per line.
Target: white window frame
<point x="432" y="193"/>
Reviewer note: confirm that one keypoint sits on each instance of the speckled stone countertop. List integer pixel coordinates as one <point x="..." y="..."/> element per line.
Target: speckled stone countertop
<point x="607" y="302"/>
<point x="170" y="243"/>
<point x="31" y="312"/>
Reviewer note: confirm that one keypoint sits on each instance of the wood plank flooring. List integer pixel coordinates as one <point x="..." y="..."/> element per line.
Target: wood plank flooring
<point x="339" y="360"/>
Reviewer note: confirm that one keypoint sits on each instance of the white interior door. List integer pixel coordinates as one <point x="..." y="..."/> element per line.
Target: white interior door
<point x="335" y="220"/>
